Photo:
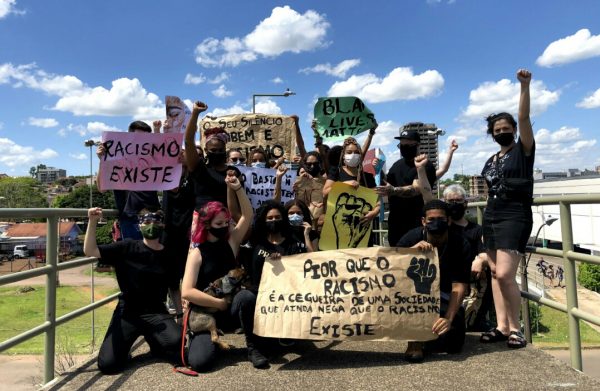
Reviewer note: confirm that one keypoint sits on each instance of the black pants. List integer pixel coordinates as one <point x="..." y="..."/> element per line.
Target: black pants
<point x="454" y="339"/>
<point x="159" y="329"/>
<point x="202" y="352"/>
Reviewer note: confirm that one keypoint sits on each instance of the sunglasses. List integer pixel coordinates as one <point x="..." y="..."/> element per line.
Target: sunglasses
<point x="236" y="159"/>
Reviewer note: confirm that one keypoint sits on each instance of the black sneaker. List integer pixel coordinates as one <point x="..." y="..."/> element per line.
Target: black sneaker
<point x="258" y="360"/>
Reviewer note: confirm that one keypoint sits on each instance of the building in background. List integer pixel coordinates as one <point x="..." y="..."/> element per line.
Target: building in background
<point x="478" y="187"/>
<point x="50" y="174"/>
<point x="429" y="134"/>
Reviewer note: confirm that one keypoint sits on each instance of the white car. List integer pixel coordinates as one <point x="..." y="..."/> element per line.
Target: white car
<point x="21" y="251"/>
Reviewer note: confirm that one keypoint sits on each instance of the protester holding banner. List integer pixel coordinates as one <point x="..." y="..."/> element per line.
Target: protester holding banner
<point x="235" y="158"/>
<point x="507" y="220"/>
<point x="215" y="247"/>
<point x="302" y="223"/>
<point x="144" y="273"/>
<point x="130" y="203"/>
<point x="404" y="198"/>
<point x="259" y="159"/>
<point x="455" y="269"/>
<point x="309" y="184"/>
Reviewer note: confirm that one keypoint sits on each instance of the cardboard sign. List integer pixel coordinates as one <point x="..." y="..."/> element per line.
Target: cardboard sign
<point x="377" y="293"/>
<point x="178" y="115"/>
<point x="274" y="133"/>
<point x="368" y="163"/>
<point x="338" y="118"/>
<point x="140" y="161"/>
<point x="260" y="185"/>
<point x="342" y="227"/>
<point x="310" y="191"/>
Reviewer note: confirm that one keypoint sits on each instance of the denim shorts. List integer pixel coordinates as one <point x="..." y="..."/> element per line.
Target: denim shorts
<point x="507" y="224"/>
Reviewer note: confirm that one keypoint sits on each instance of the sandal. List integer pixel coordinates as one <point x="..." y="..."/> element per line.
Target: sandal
<point x="516" y="340"/>
<point x="493" y="335"/>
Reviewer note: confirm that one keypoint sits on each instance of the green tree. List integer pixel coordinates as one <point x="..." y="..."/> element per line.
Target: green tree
<point x="589" y="276"/>
<point x="33" y="172"/>
<point x="22" y="192"/>
<point x="80" y="198"/>
<point x="459" y="179"/>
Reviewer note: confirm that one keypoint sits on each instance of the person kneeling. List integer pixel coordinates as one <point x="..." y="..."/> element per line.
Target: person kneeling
<point x="455" y="268"/>
<point x="144" y="277"/>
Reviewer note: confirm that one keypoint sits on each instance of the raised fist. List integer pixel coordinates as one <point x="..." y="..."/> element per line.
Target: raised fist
<point x="347" y="220"/>
<point x="199" y="107"/>
<point x="422" y="273"/>
<point x="524" y="76"/>
<point x="421" y="160"/>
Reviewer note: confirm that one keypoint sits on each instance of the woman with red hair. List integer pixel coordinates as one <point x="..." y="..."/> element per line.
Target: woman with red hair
<point x="216" y="242"/>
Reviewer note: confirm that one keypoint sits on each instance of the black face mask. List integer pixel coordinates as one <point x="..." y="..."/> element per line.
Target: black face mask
<point x="314" y="170"/>
<point x="219" y="233"/>
<point x="274" y="226"/>
<point x="457" y="211"/>
<point x="408" y="152"/>
<point x="216" y="157"/>
<point x="437" y="227"/>
<point x="504" y="139"/>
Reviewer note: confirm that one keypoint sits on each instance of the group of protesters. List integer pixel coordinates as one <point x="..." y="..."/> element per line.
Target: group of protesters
<point x="206" y="226"/>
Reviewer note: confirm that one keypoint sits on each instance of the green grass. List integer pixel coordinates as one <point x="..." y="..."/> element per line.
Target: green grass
<point x="554" y="331"/>
<point x="87" y="272"/>
<point x="22" y="311"/>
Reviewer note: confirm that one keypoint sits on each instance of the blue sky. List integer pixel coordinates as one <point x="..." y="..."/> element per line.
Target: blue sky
<point x="71" y="69"/>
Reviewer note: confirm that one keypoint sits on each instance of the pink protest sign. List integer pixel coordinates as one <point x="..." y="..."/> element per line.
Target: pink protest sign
<point x="140" y="161"/>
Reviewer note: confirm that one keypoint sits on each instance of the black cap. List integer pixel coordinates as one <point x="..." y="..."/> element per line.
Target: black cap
<point x="409" y="135"/>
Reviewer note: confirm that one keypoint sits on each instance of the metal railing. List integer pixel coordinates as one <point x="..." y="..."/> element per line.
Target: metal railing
<point x="569" y="257"/>
<point x="50" y="270"/>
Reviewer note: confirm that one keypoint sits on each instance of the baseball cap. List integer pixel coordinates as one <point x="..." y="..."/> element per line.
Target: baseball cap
<point x="409" y="135"/>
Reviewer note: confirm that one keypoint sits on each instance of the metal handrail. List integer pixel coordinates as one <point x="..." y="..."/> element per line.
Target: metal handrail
<point x="51" y="269"/>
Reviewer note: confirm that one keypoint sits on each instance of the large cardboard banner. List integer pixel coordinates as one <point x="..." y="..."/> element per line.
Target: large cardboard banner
<point x="140" y="161"/>
<point x="178" y="115"/>
<point x="377" y="293"/>
<point x="310" y="191"/>
<point x="260" y="185"/>
<point x="342" y="227"/>
<point x="274" y="133"/>
<point x="341" y="117"/>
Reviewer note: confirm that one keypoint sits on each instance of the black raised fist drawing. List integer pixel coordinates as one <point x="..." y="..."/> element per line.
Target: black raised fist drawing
<point x="349" y="230"/>
<point x="422" y="273"/>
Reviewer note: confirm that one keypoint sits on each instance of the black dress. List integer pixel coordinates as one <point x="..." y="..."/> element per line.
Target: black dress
<point x="507" y="219"/>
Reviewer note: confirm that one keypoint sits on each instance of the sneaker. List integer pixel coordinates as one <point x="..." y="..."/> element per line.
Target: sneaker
<point x="258" y="360"/>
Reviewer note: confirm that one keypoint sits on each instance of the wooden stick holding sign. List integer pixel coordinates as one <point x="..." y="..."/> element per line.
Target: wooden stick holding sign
<point x="377" y="293"/>
<point x="341" y="117"/>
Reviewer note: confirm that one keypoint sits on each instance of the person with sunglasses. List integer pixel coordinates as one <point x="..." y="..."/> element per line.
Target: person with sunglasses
<point x="235" y="158"/>
<point x="144" y="275"/>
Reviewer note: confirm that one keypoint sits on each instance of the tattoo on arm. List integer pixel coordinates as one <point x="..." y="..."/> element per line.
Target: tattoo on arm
<point x="405" y="191"/>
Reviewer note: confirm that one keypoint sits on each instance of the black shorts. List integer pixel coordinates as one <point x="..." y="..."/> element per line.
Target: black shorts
<point x="507" y="225"/>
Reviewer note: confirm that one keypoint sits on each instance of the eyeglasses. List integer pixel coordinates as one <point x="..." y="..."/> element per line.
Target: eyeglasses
<point x="238" y="159"/>
<point x="455" y="201"/>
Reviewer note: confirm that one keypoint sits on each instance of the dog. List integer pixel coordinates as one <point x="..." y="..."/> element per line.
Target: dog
<point x="200" y="318"/>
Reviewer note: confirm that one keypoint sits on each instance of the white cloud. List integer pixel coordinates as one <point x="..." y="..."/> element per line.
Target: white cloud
<point x="42" y="122"/>
<point x="563" y="146"/>
<point x="339" y="70"/>
<point x="277" y="80"/>
<point x="285" y="30"/>
<point x="492" y="97"/>
<point x="222" y="92"/>
<point x="264" y="106"/>
<point x="564" y="134"/>
<point x="14" y="155"/>
<point x="591" y="102"/>
<point x="220" y="78"/>
<point x="7" y="7"/>
<point x="126" y="97"/>
<point x="91" y="128"/>
<point x="235" y="109"/>
<point x="267" y="106"/>
<point x="579" y="46"/>
<point x="81" y="156"/>
<point x="399" y="84"/>
<point x="194" y="79"/>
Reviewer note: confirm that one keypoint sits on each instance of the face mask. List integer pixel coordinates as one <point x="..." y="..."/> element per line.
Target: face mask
<point x="296" y="220"/>
<point x="151" y="231"/>
<point x="352" y="159"/>
<point x="314" y="170"/>
<point x="216" y="157"/>
<point x="408" y="151"/>
<point x="437" y="227"/>
<point x="259" y="164"/>
<point x="457" y="211"/>
<point x="504" y="139"/>
<point x="237" y="163"/>
<point x="274" y="226"/>
<point x="219" y="233"/>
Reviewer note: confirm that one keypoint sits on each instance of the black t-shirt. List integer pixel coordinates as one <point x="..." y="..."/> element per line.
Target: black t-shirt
<point x="217" y="260"/>
<point x="366" y="179"/>
<point x="473" y="233"/>
<point x="263" y="249"/>
<point x="455" y="257"/>
<point x="178" y="206"/>
<point x="144" y="275"/>
<point x="130" y="203"/>
<point x="406" y="212"/>
<point x="512" y="174"/>
<point x="209" y="184"/>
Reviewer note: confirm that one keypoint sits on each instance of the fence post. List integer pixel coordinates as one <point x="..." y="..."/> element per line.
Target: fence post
<point x="51" y="260"/>
<point x="479" y="215"/>
<point x="571" y="283"/>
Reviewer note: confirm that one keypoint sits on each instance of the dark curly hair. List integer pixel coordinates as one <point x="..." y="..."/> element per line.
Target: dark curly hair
<point x="259" y="231"/>
<point x="492" y="118"/>
<point x="300" y="204"/>
<point x="435" y="204"/>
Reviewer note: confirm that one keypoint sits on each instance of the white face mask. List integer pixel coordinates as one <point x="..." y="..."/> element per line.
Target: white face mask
<point x="351" y="159"/>
<point x="259" y="164"/>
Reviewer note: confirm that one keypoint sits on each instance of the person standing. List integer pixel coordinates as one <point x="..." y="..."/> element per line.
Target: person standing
<point x="507" y="219"/>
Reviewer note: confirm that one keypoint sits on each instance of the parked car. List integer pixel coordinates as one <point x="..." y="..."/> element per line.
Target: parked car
<point x="21" y="251"/>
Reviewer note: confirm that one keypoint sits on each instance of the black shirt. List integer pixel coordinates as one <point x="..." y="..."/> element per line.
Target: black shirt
<point x="366" y="179"/>
<point x="405" y="212"/>
<point x="263" y="249"/>
<point x="130" y="203"/>
<point x="473" y="233"/>
<point x="144" y="275"/>
<point x="217" y="260"/>
<point x="455" y="257"/>
<point x="209" y="184"/>
<point x="178" y="206"/>
<point x="512" y="174"/>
